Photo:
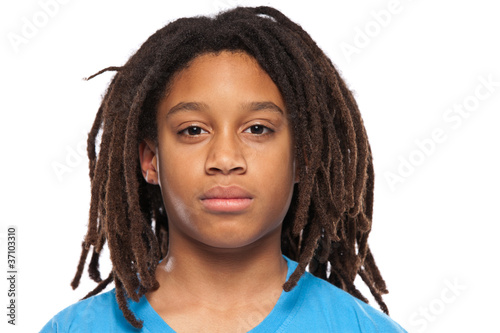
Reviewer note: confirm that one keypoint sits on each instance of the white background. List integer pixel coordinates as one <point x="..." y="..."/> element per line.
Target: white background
<point x="437" y="227"/>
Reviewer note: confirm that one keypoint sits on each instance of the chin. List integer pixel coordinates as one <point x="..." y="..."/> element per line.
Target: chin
<point x="234" y="239"/>
<point x="229" y="243"/>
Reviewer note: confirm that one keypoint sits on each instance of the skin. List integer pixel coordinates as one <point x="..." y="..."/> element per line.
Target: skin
<point x="224" y="270"/>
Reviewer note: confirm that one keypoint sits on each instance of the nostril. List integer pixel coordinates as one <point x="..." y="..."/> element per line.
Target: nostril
<point x="225" y="155"/>
<point x="225" y="171"/>
<point x="226" y="165"/>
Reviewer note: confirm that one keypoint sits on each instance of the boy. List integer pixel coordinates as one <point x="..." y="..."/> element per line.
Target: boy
<point x="232" y="157"/>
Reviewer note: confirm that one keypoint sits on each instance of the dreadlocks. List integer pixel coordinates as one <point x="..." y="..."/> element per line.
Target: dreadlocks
<point x="329" y="220"/>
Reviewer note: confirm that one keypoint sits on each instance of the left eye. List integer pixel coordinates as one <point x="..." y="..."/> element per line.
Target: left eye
<point x="258" y="129"/>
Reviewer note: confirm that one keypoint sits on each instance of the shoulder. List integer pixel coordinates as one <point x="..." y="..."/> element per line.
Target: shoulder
<point x="338" y="310"/>
<point x="98" y="313"/>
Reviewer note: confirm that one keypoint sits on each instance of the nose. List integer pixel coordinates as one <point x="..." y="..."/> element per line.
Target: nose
<point x="226" y="155"/>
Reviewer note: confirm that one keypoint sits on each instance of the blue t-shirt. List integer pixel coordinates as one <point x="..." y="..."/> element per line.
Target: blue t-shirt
<point x="314" y="305"/>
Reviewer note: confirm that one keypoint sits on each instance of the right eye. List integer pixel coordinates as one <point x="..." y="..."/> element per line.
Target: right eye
<point x="192" y="131"/>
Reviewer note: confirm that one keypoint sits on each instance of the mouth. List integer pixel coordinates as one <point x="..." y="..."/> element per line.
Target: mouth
<point x="226" y="199"/>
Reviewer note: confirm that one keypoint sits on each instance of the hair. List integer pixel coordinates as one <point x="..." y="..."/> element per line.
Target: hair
<point x="330" y="217"/>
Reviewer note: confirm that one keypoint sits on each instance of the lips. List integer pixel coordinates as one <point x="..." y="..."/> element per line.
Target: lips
<point x="228" y="199"/>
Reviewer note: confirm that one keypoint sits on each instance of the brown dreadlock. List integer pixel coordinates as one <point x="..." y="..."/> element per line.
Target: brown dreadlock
<point x="329" y="220"/>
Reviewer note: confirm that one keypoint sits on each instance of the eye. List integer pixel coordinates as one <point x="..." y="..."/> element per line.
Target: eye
<point x="258" y="129"/>
<point x="193" y="131"/>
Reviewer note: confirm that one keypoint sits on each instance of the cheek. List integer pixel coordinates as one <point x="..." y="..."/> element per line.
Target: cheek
<point x="179" y="164"/>
<point x="276" y="172"/>
<point x="178" y="177"/>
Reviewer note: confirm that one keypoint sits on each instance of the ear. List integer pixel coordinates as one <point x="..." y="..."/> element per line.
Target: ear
<point x="148" y="158"/>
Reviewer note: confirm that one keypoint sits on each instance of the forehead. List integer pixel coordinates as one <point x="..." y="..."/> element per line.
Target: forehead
<point x="222" y="66"/>
<point x="230" y="75"/>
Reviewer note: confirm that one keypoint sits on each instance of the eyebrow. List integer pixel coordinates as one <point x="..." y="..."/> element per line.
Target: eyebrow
<point x="200" y="106"/>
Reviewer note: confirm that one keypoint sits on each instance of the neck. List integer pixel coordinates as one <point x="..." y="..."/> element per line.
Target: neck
<point x="224" y="275"/>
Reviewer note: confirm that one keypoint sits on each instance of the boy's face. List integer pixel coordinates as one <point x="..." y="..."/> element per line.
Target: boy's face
<point x="224" y="159"/>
